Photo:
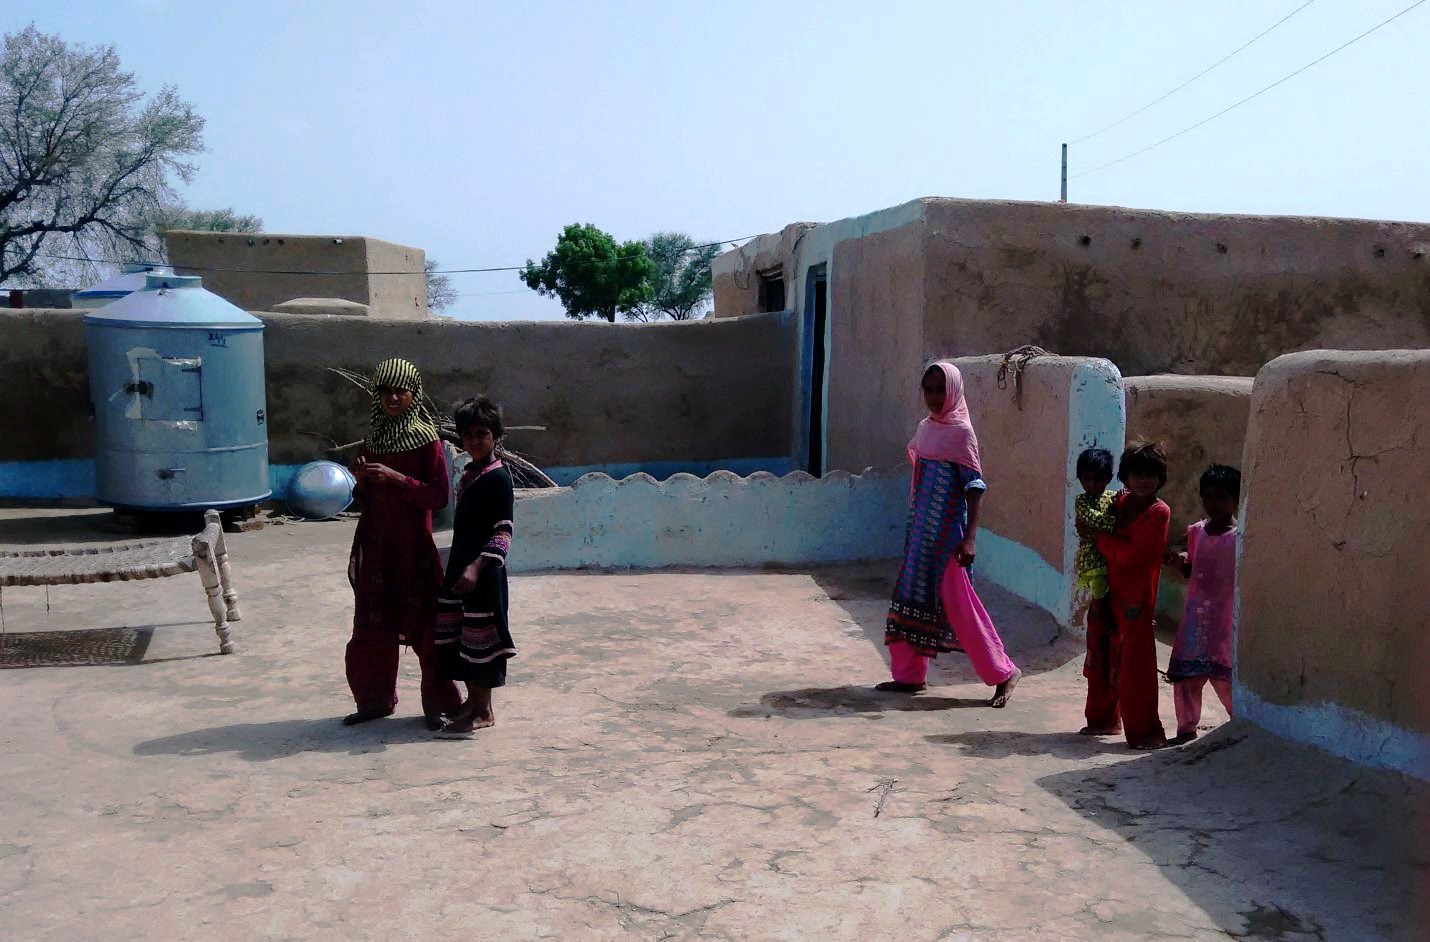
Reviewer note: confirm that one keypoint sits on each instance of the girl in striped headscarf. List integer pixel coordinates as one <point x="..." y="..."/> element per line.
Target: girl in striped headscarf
<point x="394" y="568"/>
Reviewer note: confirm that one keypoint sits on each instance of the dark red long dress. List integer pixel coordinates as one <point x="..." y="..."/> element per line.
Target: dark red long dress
<point x="1121" y="666"/>
<point x="395" y="572"/>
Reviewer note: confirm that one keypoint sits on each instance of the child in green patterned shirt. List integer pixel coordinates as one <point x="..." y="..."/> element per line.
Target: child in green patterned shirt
<point x="1093" y="508"/>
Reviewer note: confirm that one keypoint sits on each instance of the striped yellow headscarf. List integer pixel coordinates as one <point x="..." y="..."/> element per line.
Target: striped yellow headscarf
<point x="413" y="428"/>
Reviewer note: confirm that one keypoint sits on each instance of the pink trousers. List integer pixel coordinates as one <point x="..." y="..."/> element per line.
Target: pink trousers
<point x="973" y="628"/>
<point x="1187" y="695"/>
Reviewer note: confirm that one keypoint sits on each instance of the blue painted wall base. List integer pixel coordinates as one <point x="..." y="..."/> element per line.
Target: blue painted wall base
<point x="47" y="480"/>
<point x="1340" y="731"/>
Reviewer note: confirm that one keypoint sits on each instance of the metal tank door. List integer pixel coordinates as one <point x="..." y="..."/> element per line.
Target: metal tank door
<point x="172" y="389"/>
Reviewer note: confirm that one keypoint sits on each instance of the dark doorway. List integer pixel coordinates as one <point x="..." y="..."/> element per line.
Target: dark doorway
<point x="816" y="322"/>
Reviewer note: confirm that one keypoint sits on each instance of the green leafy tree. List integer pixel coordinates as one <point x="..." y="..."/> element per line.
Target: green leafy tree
<point x="592" y="275"/>
<point x="680" y="286"/>
<point x="87" y="161"/>
<point x="441" y="294"/>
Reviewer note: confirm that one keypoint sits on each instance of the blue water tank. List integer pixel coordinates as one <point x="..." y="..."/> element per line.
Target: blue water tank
<point x="176" y="380"/>
<point x="129" y="280"/>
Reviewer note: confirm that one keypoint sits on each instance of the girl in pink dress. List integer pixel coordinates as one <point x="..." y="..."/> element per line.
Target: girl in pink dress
<point x="935" y="609"/>
<point x="1203" y="650"/>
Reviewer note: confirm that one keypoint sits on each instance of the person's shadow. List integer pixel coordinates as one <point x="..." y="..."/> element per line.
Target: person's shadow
<point x="281" y="739"/>
<point x="863" y="591"/>
<point x="815" y="702"/>
<point x="1004" y="744"/>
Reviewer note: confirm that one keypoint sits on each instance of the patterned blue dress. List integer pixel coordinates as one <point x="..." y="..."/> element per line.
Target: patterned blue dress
<point x="938" y="514"/>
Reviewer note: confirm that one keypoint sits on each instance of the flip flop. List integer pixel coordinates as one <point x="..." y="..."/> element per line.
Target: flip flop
<point x="446" y="733"/>
<point x="898" y="686"/>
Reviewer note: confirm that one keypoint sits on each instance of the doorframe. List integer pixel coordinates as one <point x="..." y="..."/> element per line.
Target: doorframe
<point x="809" y="324"/>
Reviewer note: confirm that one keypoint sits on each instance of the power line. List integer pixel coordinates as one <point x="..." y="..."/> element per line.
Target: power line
<point x="443" y="271"/>
<point x="1189" y="81"/>
<point x="491" y="294"/>
<point x="1284" y="78"/>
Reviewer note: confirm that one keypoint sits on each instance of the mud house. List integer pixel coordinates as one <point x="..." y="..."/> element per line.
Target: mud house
<point x="263" y="271"/>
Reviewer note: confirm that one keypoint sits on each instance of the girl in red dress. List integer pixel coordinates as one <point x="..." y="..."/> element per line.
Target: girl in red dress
<point x="394" y="567"/>
<point x="1121" y="666"/>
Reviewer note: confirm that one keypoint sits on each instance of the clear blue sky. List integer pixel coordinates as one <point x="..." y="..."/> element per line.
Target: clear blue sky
<point x="477" y="130"/>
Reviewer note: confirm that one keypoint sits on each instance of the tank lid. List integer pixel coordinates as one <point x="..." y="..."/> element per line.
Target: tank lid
<point x="169" y="300"/>
<point x="129" y="279"/>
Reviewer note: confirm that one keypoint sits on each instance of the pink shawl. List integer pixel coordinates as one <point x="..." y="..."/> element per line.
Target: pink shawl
<point x="949" y="435"/>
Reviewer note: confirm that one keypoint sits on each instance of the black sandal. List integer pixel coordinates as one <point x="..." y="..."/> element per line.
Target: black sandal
<point x="898" y="686"/>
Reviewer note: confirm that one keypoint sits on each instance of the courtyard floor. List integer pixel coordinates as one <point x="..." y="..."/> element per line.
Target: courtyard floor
<point x="680" y="755"/>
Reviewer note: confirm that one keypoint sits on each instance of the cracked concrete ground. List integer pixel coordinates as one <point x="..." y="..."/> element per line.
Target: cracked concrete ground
<point x="679" y="756"/>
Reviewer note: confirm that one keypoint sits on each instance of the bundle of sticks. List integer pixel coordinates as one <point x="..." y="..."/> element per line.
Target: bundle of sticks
<point x="524" y="473"/>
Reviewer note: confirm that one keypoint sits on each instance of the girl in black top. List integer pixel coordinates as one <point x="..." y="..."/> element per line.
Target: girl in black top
<point x="473" y="640"/>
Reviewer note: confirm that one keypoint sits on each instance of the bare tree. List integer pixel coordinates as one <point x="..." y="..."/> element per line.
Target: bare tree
<point x="153" y="249"/>
<point x="86" y="161"/>
<point x="441" y="294"/>
<point x="204" y="220"/>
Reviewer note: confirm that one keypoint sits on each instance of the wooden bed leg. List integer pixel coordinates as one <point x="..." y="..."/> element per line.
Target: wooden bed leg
<point x="209" y="576"/>
<point x="225" y="572"/>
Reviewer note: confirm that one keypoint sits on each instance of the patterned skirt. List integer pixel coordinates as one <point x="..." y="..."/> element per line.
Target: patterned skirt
<point x="937" y="514"/>
<point x="472" y="638"/>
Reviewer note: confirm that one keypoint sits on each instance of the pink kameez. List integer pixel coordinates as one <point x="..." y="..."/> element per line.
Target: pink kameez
<point x="1205" y="639"/>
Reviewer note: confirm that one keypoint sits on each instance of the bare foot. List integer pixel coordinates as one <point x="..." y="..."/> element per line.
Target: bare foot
<point x="898" y="686"/>
<point x="463" y="727"/>
<point x="1150" y="745"/>
<point x="434" y="721"/>
<point x="1182" y="738"/>
<point x="362" y="716"/>
<point x="1004" y="691"/>
<point x="1100" y="731"/>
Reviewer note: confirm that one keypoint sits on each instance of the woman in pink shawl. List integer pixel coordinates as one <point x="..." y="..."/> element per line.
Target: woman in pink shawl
<point x="935" y="609"/>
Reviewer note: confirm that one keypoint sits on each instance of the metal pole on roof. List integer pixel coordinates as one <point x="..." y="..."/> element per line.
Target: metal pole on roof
<point x="1064" y="197"/>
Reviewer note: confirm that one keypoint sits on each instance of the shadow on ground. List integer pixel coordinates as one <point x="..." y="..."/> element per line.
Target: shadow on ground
<point x="1241" y="815"/>
<point x="1004" y="744"/>
<point x="120" y="646"/>
<point x="814" y="702"/>
<point x="264" y="742"/>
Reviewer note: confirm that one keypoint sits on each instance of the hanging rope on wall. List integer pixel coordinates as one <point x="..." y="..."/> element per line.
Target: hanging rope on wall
<point x="1013" y="362"/>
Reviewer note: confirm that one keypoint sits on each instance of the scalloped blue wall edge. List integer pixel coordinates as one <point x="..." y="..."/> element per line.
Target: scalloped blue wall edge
<point x="75" y="478"/>
<point x="721" y="519"/>
<point x="724" y="520"/>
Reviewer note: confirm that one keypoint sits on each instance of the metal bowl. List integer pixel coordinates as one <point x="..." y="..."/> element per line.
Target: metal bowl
<point x="321" y="490"/>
